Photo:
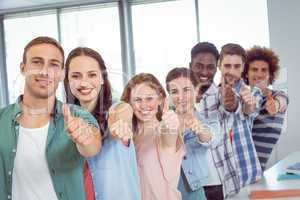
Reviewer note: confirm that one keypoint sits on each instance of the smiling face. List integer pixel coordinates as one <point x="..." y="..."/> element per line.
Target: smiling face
<point x="182" y="93"/>
<point x="85" y="79"/>
<point x="231" y="68"/>
<point x="258" y="73"/>
<point x="145" y="101"/>
<point x="204" y="66"/>
<point x="42" y="70"/>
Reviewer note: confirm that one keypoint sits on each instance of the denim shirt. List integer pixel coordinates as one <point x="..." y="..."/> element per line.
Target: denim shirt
<point x="194" y="164"/>
<point x="114" y="171"/>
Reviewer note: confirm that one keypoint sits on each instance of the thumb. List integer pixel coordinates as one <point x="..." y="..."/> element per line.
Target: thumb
<point x="124" y="110"/>
<point x="223" y="82"/>
<point x="66" y="113"/>
<point x="112" y="116"/>
<point x="166" y="105"/>
<point x="269" y="95"/>
<point x="244" y="87"/>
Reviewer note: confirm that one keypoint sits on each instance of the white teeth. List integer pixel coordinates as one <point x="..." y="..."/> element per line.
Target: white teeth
<point x="85" y="91"/>
<point x="203" y="78"/>
<point x="145" y="112"/>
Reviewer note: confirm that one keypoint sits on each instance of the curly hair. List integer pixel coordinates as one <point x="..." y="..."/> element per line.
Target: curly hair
<point x="262" y="54"/>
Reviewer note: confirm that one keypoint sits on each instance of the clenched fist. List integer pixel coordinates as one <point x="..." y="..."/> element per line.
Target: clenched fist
<point x="170" y="123"/>
<point x="120" y="121"/>
<point x="195" y="125"/>
<point x="272" y="106"/>
<point x="78" y="130"/>
<point x="170" y="129"/>
<point x="229" y="99"/>
<point x="248" y="100"/>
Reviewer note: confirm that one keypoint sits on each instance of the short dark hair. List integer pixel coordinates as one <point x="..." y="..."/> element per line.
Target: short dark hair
<point x="262" y="54"/>
<point x="204" y="47"/>
<point x="43" y="40"/>
<point x="180" y="72"/>
<point x="233" y="49"/>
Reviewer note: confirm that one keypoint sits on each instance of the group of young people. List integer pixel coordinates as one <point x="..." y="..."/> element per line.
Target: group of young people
<point x="196" y="140"/>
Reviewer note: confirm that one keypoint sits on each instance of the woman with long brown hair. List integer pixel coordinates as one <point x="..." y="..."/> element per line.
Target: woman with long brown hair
<point x="112" y="173"/>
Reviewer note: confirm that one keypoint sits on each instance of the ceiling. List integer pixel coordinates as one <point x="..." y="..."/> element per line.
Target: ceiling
<point x="12" y="6"/>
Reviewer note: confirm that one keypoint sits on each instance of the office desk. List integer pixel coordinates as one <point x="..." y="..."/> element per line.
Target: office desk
<point x="269" y="180"/>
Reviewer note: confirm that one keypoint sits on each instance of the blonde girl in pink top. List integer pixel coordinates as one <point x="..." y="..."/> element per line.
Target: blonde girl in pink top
<point x="157" y="139"/>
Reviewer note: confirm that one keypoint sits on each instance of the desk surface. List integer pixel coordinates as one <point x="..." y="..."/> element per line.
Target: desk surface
<point x="269" y="180"/>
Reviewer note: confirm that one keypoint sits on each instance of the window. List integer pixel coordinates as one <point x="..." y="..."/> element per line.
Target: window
<point x="163" y="35"/>
<point x="242" y="22"/>
<point x="234" y="21"/>
<point x="96" y="27"/>
<point x="19" y="30"/>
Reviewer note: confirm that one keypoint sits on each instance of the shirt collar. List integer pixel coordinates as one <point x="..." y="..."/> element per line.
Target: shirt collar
<point x="17" y="110"/>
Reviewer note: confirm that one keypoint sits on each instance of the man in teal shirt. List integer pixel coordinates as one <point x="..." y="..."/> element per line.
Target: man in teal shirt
<point x="43" y="142"/>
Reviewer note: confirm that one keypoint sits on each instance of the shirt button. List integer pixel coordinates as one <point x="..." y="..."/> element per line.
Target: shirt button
<point x="184" y="157"/>
<point x="190" y="172"/>
<point x="196" y="185"/>
<point x="9" y="173"/>
<point x="14" y="150"/>
<point x="60" y="194"/>
<point x="53" y="171"/>
<point x="9" y="197"/>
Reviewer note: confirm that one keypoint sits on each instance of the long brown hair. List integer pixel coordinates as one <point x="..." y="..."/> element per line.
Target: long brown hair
<point x="104" y="97"/>
<point x="153" y="83"/>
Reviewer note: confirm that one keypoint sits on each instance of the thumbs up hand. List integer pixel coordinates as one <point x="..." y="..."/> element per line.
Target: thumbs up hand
<point x="78" y="130"/>
<point x="263" y="85"/>
<point x="170" y="129"/>
<point x="229" y="99"/>
<point x="170" y="123"/>
<point x="195" y="125"/>
<point x="120" y="121"/>
<point x="248" y="100"/>
<point x="271" y="105"/>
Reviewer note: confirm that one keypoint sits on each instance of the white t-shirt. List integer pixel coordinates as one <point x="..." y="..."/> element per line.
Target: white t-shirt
<point x="214" y="177"/>
<point x="31" y="177"/>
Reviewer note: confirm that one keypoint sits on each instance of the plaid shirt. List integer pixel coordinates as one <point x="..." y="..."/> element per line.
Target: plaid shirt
<point x="247" y="162"/>
<point x="222" y="151"/>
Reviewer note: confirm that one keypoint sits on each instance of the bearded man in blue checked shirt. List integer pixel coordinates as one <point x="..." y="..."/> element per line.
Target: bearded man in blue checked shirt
<point x="239" y="124"/>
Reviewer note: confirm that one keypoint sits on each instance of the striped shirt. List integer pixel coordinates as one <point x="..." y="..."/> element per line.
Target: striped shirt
<point x="267" y="129"/>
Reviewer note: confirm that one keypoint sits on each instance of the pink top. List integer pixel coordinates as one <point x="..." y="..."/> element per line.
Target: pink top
<point x="159" y="170"/>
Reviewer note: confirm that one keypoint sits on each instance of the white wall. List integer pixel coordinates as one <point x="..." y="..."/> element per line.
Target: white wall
<point x="284" y="26"/>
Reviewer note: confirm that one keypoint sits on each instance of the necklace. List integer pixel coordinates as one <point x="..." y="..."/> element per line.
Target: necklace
<point x="34" y="111"/>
